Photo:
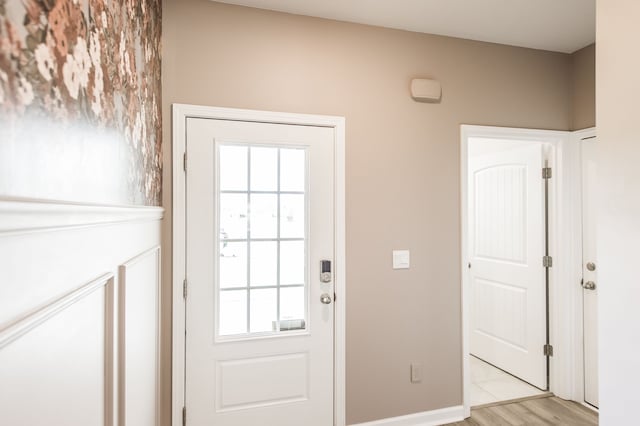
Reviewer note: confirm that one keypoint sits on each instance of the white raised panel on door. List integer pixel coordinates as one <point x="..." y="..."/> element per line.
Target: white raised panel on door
<point x="506" y="246"/>
<point x="243" y="381"/>
<point x="139" y="302"/>
<point x="590" y="297"/>
<point x="56" y="364"/>
<point x="500" y="212"/>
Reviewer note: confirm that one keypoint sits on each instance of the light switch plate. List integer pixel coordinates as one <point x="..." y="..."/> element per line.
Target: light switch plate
<point x="416" y="372"/>
<point x="401" y="259"/>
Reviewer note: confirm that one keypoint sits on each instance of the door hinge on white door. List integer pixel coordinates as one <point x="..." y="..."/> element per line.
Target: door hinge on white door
<point x="184" y="288"/>
<point x="184" y="161"/>
<point x="184" y="416"/>
<point x="547" y="261"/>
<point x="546" y="173"/>
<point x="548" y="350"/>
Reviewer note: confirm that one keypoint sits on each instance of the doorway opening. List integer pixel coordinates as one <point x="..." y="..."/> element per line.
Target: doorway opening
<point x="512" y="208"/>
<point x="507" y="202"/>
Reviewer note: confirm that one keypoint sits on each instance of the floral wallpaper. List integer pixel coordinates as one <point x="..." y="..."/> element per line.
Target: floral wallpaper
<point x="82" y="72"/>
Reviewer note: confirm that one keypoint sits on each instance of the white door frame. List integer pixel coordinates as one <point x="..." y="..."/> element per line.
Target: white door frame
<point x="578" y="379"/>
<point x="180" y="114"/>
<point x="564" y="246"/>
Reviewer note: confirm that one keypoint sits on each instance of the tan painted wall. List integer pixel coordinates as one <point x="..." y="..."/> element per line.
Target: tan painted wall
<point x="584" y="88"/>
<point x="618" y="92"/>
<point x="402" y="163"/>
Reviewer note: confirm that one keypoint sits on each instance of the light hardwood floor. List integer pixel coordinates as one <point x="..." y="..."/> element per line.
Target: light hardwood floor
<point x="532" y="412"/>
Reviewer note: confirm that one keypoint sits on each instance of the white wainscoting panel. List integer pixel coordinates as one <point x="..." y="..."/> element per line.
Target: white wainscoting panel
<point x="60" y="266"/>
<point x="139" y="305"/>
<point x="55" y="368"/>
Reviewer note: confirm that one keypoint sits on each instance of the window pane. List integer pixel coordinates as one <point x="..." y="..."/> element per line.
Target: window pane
<point x="233" y="168"/>
<point x="292" y="170"/>
<point x="233" y="312"/>
<point x="264" y="263"/>
<point x="264" y="309"/>
<point x="264" y="216"/>
<point x="233" y="264"/>
<point x="292" y="216"/>
<point x="233" y="216"/>
<point x="292" y="303"/>
<point x="292" y="262"/>
<point x="264" y="169"/>
<point x="259" y="258"/>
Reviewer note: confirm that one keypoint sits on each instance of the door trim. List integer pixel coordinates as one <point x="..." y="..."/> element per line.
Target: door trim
<point x="180" y="113"/>
<point x="564" y="204"/>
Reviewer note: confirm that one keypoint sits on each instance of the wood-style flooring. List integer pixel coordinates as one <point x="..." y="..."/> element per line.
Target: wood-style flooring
<point x="540" y="411"/>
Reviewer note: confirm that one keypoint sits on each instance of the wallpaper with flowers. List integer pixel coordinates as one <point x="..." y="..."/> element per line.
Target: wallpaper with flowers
<point x="86" y="71"/>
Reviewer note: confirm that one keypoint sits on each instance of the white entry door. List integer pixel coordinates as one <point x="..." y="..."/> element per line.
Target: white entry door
<point x="259" y="318"/>
<point x="506" y="246"/>
<point x="589" y="272"/>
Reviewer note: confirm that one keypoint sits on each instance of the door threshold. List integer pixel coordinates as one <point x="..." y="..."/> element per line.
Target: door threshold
<point x="511" y="401"/>
<point x="590" y="406"/>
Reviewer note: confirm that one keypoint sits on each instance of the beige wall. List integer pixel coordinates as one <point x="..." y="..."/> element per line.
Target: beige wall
<point x="618" y="92"/>
<point x="402" y="163"/>
<point x="583" y="92"/>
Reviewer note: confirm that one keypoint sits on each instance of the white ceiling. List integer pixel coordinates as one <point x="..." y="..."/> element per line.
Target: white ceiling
<point x="557" y="25"/>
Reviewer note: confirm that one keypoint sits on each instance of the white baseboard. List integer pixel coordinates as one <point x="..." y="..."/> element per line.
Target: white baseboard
<point x="426" y="418"/>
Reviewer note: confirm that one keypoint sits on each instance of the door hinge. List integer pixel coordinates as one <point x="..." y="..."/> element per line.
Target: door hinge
<point x="184" y="416"/>
<point x="184" y="288"/>
<point x="546" y="173"/>
<point x="548" y="350"/>
<point x="184" y="161"/>
<point x="547" y="261"/>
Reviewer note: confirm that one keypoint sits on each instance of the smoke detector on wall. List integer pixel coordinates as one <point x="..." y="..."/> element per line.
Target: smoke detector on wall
<point x="426" y="90"/>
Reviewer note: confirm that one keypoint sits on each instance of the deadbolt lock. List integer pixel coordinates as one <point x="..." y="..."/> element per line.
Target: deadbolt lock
<point x="325" y="271"/>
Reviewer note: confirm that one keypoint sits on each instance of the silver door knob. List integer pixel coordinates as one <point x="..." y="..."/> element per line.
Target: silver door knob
<point x="325" y="298"/>
<point x="589" y="285"/>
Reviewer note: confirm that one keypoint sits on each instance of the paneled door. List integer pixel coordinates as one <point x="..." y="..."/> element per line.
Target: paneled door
<point x="260" y="242"/>
<point x="506" y="246"/>
<point x="589" y="272"/>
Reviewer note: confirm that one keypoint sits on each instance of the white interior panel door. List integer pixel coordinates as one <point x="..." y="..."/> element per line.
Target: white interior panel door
<point x="507" y="245"/>
<point x="260" y="219"/>
<point x="589" y="272"/>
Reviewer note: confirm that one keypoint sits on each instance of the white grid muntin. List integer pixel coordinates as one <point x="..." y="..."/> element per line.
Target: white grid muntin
<point x="248" y="335"/>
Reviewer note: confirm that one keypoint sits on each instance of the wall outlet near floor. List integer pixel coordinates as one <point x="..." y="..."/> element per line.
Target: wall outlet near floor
<point x="416" y="372"/>
<point x="401" y="259"/>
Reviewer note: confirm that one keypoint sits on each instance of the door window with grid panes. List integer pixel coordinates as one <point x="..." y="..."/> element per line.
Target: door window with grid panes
<point x="262" y="221"/>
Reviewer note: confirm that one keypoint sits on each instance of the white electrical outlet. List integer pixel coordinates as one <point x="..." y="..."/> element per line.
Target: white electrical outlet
<point x="416" y="372"/>
<point x="401" y="259"/>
